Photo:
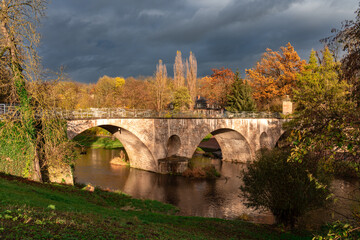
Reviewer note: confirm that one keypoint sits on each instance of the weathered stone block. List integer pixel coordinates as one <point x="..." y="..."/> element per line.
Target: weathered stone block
<point x="173" y="165"/>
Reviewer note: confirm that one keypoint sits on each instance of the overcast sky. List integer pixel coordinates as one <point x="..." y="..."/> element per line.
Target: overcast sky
<point x="92" y="38"/>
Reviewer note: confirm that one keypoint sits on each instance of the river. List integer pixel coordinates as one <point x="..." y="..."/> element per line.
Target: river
<point x="220" y="198"/>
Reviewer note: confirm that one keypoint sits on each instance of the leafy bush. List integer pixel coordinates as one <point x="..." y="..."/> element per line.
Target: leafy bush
<point x="287" y="189"/>
<point x="340" y="230"/>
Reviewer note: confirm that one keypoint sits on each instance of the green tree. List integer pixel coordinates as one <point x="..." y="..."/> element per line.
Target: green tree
<point x="271" y="182"/>
<point x="324" y="120"/>
<point x="182" y="99"/>
<point x="326" y="123"/>
<point x="240" y="98"/>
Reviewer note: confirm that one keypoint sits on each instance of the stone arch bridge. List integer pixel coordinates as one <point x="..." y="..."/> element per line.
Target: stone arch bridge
<point x="147" y="140"/>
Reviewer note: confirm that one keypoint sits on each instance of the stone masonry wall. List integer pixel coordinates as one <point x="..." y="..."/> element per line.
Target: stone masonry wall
<point x="148" y="140"/>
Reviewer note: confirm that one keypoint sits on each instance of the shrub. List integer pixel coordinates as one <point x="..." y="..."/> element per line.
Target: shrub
<point x="287" y="189"/>
<point x="340" y="230"/>
<point x="207" y="172"/>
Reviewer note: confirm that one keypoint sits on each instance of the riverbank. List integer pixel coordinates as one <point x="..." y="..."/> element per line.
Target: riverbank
<point x="90" y="141"/>
<point x="48" y="211"/>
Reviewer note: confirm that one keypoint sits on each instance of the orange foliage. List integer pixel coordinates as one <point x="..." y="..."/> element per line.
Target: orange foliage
<point x="275" y="75"/>
<point x="216" y="87"/>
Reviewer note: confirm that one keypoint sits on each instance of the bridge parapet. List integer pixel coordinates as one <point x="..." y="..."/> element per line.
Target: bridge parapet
<point x="100" y="113"/>
<point x="116" y="113"/>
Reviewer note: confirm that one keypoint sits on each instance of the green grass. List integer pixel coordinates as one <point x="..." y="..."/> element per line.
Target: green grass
<point x="200" y="150"/>
<point x="97" y="142"/>
<point x="30" y="210"/>
<point x="207" y="137"/>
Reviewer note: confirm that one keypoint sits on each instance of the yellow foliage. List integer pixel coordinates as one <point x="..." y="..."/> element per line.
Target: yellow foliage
<point x="119" y="82"/>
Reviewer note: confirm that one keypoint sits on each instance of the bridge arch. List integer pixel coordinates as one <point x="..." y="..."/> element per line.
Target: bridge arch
<point x="234" y="146"/>
<point x="173" y="145"/>
<point x="239" y="138"/>
<point x="265" y="141"/>
<point x="139" y="154"/>
<point x="281" y="141"/>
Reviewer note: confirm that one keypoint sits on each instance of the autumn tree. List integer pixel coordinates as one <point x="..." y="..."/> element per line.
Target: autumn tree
<point x="5" y="86"/>
<point x="86" y="96"/>
<point x="36" y="144"/>
<point x="18" y="20"/>
<point x="179" y="79"/>
<point x="217" y="87"/>
<point x="345" y="127"/>
<point x="348" y="37"/>
<point x="72" y="95"/>
<point x="19" y="40"/>
<point x="137" y="93"/>
<point x="275" y="75"/>
<point x="191" y="76"/>
<point x="66" y="94"/>
<point x="160" y="86"/>
<point x="325" y="120"/>
<point x="108" y="91"/>
<point x="240" y="98"/>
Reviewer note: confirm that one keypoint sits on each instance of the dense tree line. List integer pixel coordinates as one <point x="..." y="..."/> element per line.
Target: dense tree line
<point x="273" y="77"/>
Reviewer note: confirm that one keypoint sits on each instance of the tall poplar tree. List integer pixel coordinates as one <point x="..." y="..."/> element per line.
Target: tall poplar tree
<point x="179" y="79"/>
<point x="191" y="76"/>
<point x="160" y="86"/>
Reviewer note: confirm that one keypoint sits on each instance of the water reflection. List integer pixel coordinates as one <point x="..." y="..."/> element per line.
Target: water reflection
<point x="208" y="198"/>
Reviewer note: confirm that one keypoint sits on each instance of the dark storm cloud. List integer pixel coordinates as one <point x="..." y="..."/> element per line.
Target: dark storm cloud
<point x="92" y="38"/>
<point x="210" y="20"/>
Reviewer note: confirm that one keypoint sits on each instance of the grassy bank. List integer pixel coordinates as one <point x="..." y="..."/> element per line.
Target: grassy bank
<point x="43" y="211"/>
<point x="97" y="142"/>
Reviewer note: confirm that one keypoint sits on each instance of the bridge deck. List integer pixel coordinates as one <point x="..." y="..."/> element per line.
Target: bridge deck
<point x="115" y="113"/>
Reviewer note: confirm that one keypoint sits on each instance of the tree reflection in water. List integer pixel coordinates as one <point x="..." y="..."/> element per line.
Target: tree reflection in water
<point x="208" y="198"/>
